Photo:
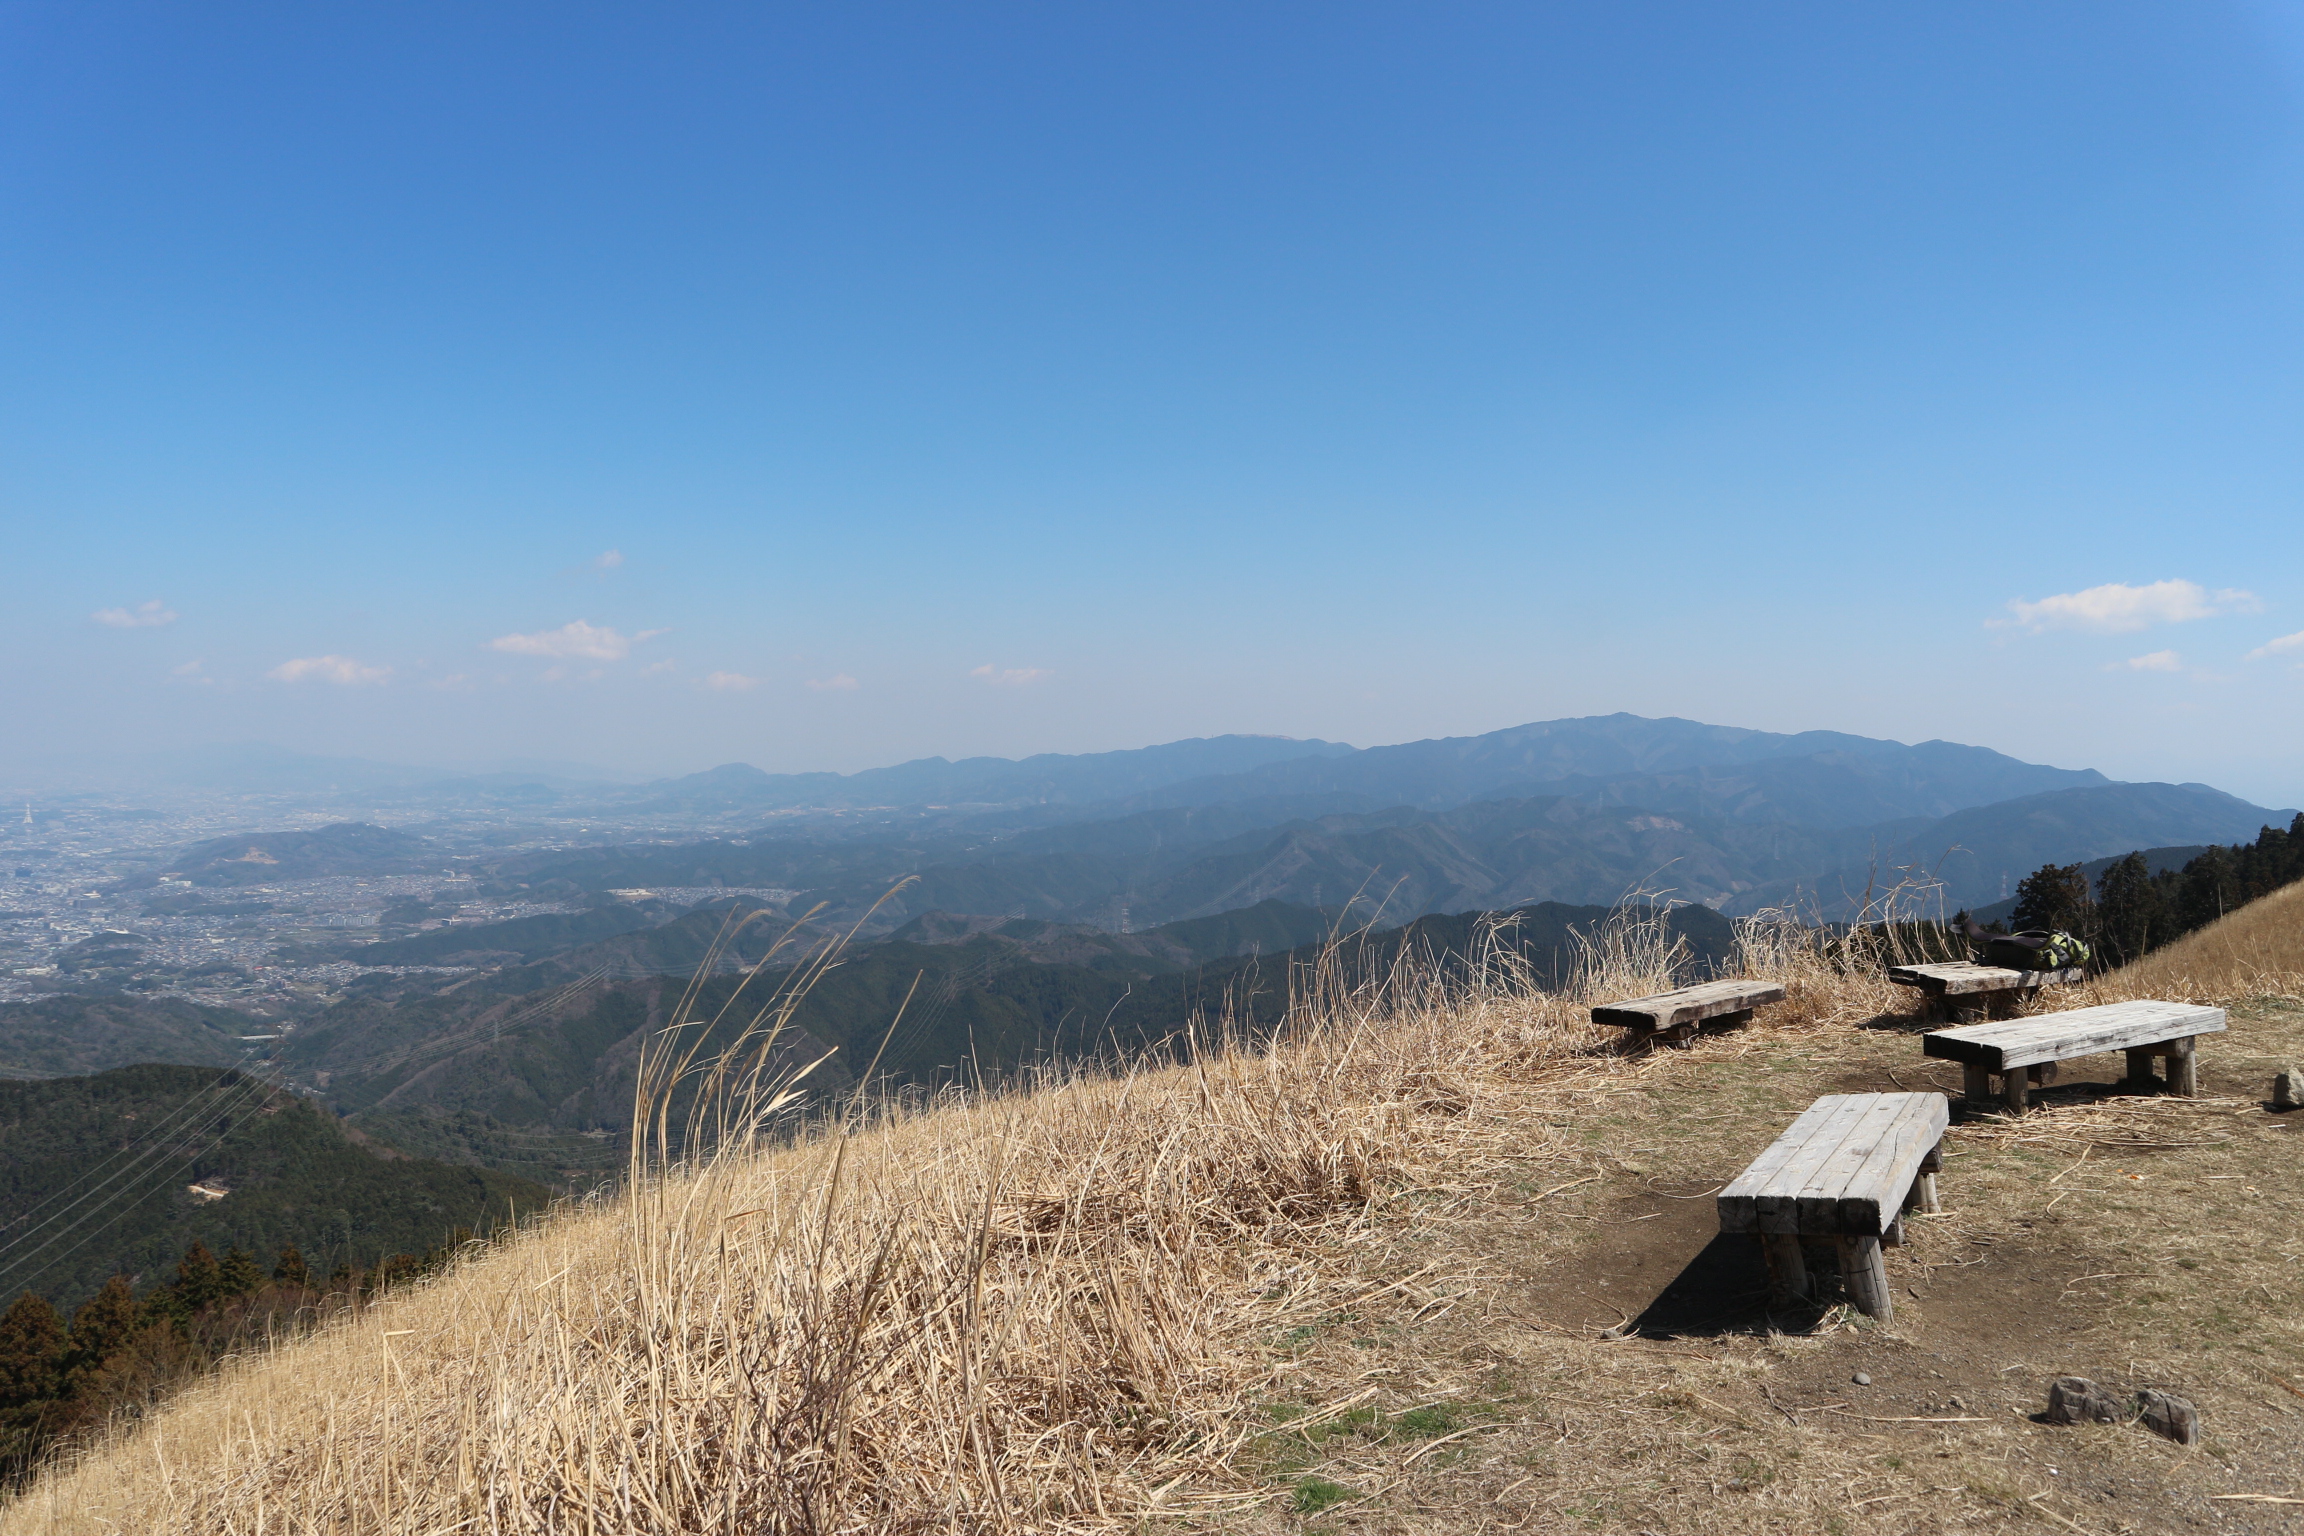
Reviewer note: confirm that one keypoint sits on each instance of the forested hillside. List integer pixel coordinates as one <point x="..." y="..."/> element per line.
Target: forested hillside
<point x="533" y="1069"/>
<point x="123" y="1171"/>
<point x="2144" y="900"/>
<point x="73" y="1032"/>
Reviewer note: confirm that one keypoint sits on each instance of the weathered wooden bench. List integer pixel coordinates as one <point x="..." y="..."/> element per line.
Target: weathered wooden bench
<point x="1961" y="990"/>
<point x="1674" y="1016"/>
<point x="2025" y="1051"/>
<point x="1847" y="1170"/>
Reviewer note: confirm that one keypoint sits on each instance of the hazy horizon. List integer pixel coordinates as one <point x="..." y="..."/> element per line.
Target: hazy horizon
<point x="829" y="389"/>
<point x="217" y="758"/>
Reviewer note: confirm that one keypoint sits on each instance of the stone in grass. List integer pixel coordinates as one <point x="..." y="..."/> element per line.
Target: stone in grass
<point x="2077" y="1400"/>
<point x="2288" y="1089"/>
<point x="2168" y="1416"/>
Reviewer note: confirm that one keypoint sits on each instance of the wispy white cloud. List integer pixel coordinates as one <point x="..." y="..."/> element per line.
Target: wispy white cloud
<point x="1010" y="677"/>
<point x="587" y="642"/>
<point x="2157" y="661"/>
<point x="342" y="671"/>
<point x="838" y="681"/>
<point x="194" y="672"/>
<point x="2279" y="647"/>
<point x="2117" y="608"/>
<point x="143" y="616"/>
<point x="730" y="682"/>
<point x="608" y="560"/>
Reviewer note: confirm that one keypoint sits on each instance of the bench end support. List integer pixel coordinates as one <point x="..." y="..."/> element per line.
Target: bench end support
<point x="1865" y="1275"/>
<point x="2183" y="1068"/>
<point x="1787" y="1269"/>
<point x="2015" y="1089"/>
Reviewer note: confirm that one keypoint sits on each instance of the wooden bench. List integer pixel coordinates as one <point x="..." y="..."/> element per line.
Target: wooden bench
<point x="2025" y="1051"/>
<point x="1674" y="1016"/>
<point x="1847" y="1170"/>
<point x="1961" y="991"/>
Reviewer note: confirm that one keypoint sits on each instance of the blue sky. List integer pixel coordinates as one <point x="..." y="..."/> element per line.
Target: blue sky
<point x="826" y="386"/>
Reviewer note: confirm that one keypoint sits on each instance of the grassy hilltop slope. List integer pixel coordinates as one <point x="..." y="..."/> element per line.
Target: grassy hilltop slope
<point x="1442" y="1262"/>
<point x="96" y="1175"/>
<point x="2258" y="948"/>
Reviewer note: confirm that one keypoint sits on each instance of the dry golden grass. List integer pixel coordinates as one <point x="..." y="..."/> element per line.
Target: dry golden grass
<point x="1318" y="1279"/>
<point x="1038" y="1310"/>
<point x="2258" y="950"/>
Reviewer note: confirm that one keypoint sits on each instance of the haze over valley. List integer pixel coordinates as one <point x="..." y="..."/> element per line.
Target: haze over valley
<point x="464" y="966"/>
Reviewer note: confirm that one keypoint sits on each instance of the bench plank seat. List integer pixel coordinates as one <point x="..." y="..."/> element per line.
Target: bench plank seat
<point x="1841" y="1169"/>
<point x="2024" y="1051"/>
<point x="1962" y="978"/>
<point x="2075" y="1032"/>
<point x="1688" y="1006"/>
<point x="1845" y="1172"/>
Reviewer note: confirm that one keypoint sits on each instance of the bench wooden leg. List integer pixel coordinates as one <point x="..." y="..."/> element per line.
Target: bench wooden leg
<point x="1865" y="1275"/>
<point x="1787" y="1270"/>
<point x="2045" y="1073"/>
<point x="2183" y="1068"/>
<point x="1923" y="1197"/>
<point x="2140" y="1074"/>
<point x="2015" y="1090"/>
<point x="1727" y="1021"/>
<point x="1978" y="1081"/>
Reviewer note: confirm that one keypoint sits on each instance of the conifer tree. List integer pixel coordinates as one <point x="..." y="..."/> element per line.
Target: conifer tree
<point x="239" y="1274"/>
<point x="31" y="1353"/>
<point x="291" y="1268"/>
<point x="2131" y="913"/>
<point x="2054" y="896"/>
<point x="198" y="1278"/>
<point x="103" y="1325"/>
<point x="2206" y="891"/>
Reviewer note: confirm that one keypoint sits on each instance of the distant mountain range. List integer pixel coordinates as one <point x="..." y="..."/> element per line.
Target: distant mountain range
<point x="1978" y="855"/>
<point x="1048" y="779"/>
<point x="1157" y="867"/>
<point x="1060" y="906"/>
<point x="1580" y="811"/>
<point x="1821" y="779"/>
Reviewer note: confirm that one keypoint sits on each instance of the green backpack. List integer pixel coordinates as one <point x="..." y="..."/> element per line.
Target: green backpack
<point x="2035" y="949"/>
